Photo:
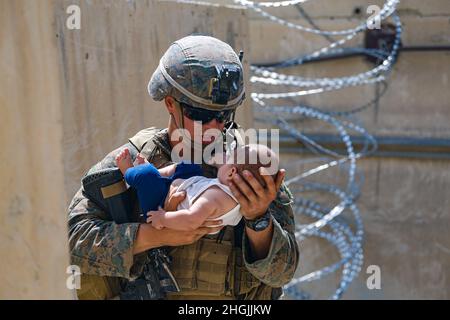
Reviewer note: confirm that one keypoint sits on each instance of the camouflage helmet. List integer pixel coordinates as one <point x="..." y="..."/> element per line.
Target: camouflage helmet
<point x="201" y="71"/>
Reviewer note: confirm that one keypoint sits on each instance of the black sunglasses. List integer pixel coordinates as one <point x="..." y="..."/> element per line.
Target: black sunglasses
<point x="203" y="115"/>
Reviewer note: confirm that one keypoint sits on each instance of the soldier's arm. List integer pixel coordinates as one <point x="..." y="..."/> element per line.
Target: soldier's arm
<point x="100" y="246"/>
<point x="279" y="266"/>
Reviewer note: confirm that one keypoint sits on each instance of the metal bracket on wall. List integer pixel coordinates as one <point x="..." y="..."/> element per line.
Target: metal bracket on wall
<point x="379" y="39"/>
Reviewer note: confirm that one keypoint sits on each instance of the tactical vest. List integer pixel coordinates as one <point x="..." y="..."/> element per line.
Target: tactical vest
<point x="211" y="268"/>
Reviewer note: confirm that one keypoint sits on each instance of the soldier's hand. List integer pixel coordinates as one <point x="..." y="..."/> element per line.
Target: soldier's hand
<point x="155" y="218"/>
<point x="174" y="200"/>
<point x="252" y="196"/>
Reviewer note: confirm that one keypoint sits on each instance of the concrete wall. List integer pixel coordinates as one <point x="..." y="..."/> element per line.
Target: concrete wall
<point x="404" y="206"/>
<point x="107" y="64"/>
<point x="404" y="202"/>
<point x="416" y="102"/>
<point x="67" y="97"/>
<point x="33" y="231"/>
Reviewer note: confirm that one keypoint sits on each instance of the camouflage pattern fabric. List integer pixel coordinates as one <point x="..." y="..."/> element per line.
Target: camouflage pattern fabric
<point x="103" y="248"/>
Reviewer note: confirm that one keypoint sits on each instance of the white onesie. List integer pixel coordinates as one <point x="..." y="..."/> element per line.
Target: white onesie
<point x="195" y="186"/>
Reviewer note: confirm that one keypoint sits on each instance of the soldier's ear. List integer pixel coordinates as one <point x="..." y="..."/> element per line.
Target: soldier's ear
<point x="170" y="104"/>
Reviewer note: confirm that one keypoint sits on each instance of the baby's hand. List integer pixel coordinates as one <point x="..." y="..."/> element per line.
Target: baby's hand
<point x="155" y="218"/>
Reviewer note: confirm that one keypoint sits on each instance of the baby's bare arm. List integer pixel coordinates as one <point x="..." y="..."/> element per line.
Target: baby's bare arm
<point x="211" y="203"/>
<point x="185" y="219"/>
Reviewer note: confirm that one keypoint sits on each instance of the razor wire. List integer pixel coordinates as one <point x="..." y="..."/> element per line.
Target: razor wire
<point x="339" y="223"/>
<point x="377" y="74"/>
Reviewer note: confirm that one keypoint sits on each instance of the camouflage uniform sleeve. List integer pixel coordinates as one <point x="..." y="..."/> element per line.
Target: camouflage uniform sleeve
<point x="278" y="268"/>
<point x="100" y="246"/>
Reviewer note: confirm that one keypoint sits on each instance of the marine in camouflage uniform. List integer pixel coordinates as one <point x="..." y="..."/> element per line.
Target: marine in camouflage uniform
<point x="214" y="267"/>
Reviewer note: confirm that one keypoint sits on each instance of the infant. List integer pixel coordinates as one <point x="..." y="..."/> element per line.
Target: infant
<point x="152" y="185"/>
<point x="206" y="198"/>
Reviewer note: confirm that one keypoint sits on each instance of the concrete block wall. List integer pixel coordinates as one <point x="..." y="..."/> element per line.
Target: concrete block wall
<point x="404" y="201"/>
<point x="33" y="230"/>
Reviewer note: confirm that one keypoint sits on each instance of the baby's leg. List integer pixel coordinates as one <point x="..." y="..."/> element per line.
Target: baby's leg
<point x="123" y="161"/>
<point x="168" y="170"/>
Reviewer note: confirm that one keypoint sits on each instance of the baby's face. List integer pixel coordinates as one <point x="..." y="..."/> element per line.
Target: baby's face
<point x="249" y="154"/>
<point x="225" y="170"/>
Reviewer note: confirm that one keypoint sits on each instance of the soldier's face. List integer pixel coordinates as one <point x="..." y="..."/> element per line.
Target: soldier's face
<point x="206" y="139"/>
<point x="191" y="125"/>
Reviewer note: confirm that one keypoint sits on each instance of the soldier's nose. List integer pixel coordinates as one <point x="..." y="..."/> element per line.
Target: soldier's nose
<point x="213" y="124"/>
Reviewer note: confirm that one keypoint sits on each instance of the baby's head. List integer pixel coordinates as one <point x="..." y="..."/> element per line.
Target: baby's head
<point x="250" y="157"/>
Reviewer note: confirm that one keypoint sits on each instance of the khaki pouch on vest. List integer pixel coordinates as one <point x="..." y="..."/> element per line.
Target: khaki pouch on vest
<point x="214" y="270"/>
<point x="97" y="287"/>
<point x="202" y="268"/>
